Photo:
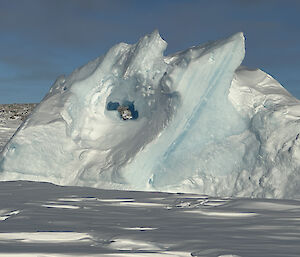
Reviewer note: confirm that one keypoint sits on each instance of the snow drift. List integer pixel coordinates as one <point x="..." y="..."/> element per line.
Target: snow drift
<point x="199" y="122"/>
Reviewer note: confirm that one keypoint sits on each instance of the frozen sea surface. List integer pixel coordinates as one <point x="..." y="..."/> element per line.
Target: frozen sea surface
<point x="42" y="219"/>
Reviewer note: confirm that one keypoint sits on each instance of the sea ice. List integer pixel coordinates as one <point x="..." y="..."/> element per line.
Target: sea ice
<point x="195" y="121"/>
<point x="154" y="224"/>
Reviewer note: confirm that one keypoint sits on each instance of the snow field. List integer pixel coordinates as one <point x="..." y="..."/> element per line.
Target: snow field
<point x="39" y="219"/>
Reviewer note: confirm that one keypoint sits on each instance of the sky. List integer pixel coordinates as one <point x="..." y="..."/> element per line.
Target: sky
<point x="42" y="39"/>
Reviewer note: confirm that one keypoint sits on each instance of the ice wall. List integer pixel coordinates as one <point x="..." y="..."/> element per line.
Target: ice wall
<point x="200" y="123"/>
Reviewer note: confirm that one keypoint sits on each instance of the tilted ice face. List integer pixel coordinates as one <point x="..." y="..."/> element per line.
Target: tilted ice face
<point x="200" y="123"/>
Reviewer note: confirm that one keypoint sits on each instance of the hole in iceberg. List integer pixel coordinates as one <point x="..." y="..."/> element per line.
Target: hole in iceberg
<point x="112" y="106"/>
<point x="126" y="109"/>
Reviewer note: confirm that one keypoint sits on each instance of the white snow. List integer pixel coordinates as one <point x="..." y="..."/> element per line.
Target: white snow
<point x="44" y="237"/>
<point x="4" y="214"/>
<point x="62" y="206"/>
<point x="178" y="225"/>
<point x="200" y="123"/>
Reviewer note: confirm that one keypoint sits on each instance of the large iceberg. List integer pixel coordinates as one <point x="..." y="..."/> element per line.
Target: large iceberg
<point x="195" y="121"/>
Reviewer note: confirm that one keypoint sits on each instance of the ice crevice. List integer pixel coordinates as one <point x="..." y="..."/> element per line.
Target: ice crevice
<point x="195" y="121"/>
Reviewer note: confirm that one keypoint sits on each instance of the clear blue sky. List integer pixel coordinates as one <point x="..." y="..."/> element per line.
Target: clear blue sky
<point x="41" y="39"/>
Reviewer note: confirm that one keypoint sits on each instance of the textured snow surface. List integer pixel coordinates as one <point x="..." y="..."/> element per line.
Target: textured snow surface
<point x="200" y="123"/>
<point x="42" y="219"/>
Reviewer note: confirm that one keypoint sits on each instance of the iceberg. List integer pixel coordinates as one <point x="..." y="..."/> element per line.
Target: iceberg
<point x="195" y="121"/>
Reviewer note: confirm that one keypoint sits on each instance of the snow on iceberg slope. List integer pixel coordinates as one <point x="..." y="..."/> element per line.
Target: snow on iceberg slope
<point x="197" y="125"/>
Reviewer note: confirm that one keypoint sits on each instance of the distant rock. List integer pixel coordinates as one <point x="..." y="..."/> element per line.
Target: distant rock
<point x="15" y="111"/>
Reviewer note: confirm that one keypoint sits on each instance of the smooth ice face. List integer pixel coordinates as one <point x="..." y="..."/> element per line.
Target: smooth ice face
<point x="200" y="76"/>
<point x="135" y="119"/>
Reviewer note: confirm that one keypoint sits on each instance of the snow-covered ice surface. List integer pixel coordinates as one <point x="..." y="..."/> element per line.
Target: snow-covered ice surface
<point x="200" y="123"/>
<point x="42" y="219"/>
